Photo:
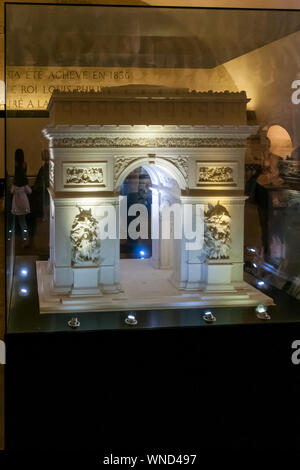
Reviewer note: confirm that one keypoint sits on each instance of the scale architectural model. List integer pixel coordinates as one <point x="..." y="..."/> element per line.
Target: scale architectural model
<point x="192" y="145"/>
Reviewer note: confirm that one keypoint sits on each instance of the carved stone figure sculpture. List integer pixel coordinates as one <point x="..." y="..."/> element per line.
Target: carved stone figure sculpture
<point x="84" y="238"/>
<point x="217" y="232"/>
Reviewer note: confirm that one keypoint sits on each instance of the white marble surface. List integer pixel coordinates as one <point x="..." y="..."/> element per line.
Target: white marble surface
<point x="143" y="288"/>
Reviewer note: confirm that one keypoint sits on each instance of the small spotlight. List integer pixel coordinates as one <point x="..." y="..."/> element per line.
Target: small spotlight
<point x="130" y="319"/>
<point x="142" y="253"/>
<point x="252" y="250"/>
<point x="74" y="322"/>
<point x="261" y="312"/>
<point x="23" y="291"/>
<point x="24" y="272"/>
<point x="261" y="283"/>
<point x="209" y="317"/>
<point x="254" y="265"/>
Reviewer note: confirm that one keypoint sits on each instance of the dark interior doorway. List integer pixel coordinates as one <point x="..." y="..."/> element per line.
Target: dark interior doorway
<point x="136" y="187"/>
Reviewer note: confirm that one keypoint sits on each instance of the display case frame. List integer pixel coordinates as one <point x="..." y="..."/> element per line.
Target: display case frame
<point x="252" y="279"/>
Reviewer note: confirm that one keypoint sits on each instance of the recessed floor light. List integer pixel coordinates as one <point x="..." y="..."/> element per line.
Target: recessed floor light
<point x="261" y="312"/>
<point x="131" y="319"/>
<point x="209" y="317"/>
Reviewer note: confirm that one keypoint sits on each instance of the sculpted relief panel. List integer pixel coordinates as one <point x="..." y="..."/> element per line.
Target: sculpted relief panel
<point x="181" y="161"/>
<point x="84" y="238"/>
<point x="84" y="174"/>
<point x="221" y="174"/>
<point x="217" y="233"/>
<point x="122" y="162"/>
<point x="216" y="174"/>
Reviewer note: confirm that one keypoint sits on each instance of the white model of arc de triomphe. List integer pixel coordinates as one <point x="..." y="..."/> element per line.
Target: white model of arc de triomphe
<point x="192" y="144"/>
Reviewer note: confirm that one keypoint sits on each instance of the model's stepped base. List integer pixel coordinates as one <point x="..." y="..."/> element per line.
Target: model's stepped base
<point x="144" y="288"/>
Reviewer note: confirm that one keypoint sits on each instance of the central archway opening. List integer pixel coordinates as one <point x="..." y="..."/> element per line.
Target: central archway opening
<point x="148" y="260"/>
<point x="137" y="188"/>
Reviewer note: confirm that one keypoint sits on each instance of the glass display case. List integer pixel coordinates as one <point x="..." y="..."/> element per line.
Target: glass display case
<point x="152" y="169"/>
<point x="152" y="182"/>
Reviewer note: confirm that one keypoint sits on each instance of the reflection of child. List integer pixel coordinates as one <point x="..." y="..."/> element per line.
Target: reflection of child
<point x="20" y="202"/>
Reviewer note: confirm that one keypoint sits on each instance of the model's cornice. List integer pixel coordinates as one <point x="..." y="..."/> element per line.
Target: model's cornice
<point x="149" y="136"/>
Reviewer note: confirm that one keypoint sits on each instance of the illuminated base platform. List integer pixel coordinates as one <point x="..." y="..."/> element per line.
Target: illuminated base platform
<point x="143" y="288"/>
